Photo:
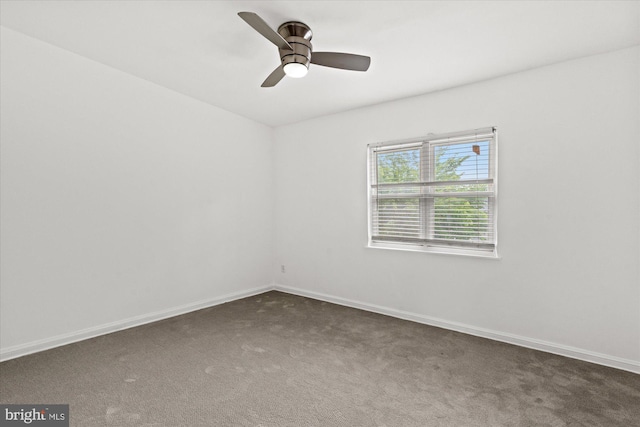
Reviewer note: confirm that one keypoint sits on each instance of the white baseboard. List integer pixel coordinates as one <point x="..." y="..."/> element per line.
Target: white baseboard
<point x="562" y="350"/>
<point x="64" y="339"/>
<point x="549" y="347"/>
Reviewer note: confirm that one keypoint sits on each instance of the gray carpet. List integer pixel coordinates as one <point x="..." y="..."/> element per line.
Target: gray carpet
<point x="282" y="360"/>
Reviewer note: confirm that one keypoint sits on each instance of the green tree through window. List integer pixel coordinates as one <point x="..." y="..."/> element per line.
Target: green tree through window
<point x="438" y="193"/>
<point x="459" y="218"/>
<point x="399" y="216"/>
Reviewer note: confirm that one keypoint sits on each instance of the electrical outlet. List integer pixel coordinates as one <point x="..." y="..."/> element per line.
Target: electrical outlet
<point x="282" y="268"/>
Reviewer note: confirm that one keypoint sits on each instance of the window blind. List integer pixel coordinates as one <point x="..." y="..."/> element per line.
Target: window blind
<point x="437" y="191"/>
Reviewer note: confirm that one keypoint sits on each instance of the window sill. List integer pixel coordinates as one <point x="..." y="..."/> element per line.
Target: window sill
<point x="434" y="250"/>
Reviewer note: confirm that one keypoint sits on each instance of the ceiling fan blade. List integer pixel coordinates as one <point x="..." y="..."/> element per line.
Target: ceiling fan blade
<point x="263" y="28"/>
<point x="274" y="77"/>
<point x="345" y="61"/>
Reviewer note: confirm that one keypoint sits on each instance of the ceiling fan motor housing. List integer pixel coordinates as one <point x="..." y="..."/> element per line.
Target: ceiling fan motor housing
<point x="293" y="40"/>
<point x="298" y="35"/>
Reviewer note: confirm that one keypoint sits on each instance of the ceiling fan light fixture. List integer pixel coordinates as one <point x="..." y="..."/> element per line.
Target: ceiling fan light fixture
<point x="293" y="40"/>
<point x="295" y="70"/>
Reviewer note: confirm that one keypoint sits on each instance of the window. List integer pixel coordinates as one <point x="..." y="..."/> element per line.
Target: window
<point x="435" y="194"/>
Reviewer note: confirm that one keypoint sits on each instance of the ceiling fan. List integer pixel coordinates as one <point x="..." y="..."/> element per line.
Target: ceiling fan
<point x="293" y="40"/>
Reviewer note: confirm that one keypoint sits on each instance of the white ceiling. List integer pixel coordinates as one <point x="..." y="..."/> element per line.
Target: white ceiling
<point x="204" y="50"/>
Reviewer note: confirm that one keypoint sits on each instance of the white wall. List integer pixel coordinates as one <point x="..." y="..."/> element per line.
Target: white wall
<point x="568" y="280"/>
<point x="122" y="201"/>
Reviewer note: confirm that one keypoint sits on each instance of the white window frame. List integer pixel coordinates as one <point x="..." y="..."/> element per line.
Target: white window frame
<point x="426" y="202"/>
